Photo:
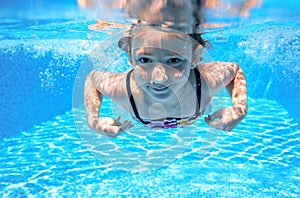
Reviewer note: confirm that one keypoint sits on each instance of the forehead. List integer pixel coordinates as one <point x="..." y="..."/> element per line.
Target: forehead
<point x="151" y="51"/>
<point x="166" y="41"/>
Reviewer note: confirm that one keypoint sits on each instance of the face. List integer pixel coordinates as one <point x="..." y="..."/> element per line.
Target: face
<point x="162" y="63"/>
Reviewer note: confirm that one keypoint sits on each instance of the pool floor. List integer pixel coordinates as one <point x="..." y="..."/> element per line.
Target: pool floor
<point x="259" y="159"/>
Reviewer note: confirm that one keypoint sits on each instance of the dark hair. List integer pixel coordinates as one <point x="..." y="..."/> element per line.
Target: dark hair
<point x="198" y="38"/>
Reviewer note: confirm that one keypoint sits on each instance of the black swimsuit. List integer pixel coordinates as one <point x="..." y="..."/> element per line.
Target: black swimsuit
<point x="167" y="122"/>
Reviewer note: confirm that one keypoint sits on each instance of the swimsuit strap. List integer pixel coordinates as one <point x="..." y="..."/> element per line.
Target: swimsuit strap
<point x="198" y="87"/>
<point x="131" y="99"/>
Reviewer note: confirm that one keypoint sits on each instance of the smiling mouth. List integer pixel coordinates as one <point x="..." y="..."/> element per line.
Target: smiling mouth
<point x="160" y="93"/>
<point x="160" y="89"/>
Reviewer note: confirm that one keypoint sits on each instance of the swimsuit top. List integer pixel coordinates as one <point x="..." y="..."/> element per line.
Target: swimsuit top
<point x="167" y="122"/>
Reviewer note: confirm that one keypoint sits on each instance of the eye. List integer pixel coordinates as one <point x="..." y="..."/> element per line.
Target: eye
<point x="174" y="61"/>
<point x="145" y="60"/>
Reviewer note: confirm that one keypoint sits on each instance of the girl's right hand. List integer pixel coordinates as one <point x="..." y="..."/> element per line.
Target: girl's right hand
<point x="110" y="127"/>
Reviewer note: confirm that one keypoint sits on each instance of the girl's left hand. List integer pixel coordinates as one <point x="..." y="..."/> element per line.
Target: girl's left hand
<point x="226" y="119"/>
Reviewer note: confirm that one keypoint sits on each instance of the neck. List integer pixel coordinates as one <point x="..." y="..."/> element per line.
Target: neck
<point x="181" y="104"/>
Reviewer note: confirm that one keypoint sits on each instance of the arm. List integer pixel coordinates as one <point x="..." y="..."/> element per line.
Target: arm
<point x="97" y="83"/>
<point x="230" y="76"/>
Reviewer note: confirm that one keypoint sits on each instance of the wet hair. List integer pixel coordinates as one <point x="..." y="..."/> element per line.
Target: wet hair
<point x="195" y="36"/>
<point x="198" y="38"/>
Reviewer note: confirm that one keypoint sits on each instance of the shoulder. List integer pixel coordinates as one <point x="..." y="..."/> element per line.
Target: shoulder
<point x="105" y="75"/>
<point x="211" y="67"/>
<point x="109" y="83"/>
<point x="213" y="70"/>
<point x="217" y="74"/>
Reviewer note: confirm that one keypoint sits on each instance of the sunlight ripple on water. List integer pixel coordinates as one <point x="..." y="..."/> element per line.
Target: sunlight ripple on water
<point x="42" y="156"/>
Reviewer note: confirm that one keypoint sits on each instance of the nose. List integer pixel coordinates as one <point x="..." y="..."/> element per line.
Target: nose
<point x="159" y="73"/>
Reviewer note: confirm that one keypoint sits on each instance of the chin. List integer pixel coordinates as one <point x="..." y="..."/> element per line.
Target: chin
<point x="162" y="95"/>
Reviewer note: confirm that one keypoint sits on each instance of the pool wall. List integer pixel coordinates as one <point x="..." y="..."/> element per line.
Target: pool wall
<point x="32" y="88"/>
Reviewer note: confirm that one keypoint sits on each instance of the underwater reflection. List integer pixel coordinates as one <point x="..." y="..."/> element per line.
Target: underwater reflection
<point x="234" y="8"/>
<point x="183" y="15"/>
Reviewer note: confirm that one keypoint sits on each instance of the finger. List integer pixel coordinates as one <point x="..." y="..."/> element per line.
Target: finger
<point x="123" y="127"/>
<point x="118" y="118"/>
<point x="127" y="125"/>
<point x="116" y="130"/>
<point x="117" y="121"/>
<point x="207" y="119"/>
<point x="211" y="121"/>
<point x="130" y="125"/>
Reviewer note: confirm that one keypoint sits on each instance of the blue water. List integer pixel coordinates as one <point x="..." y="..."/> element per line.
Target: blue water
<point x="259" y="159"/>
<point x="47" y="150"/>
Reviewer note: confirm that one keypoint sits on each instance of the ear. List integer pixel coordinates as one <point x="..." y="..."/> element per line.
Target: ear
<point x="124" y="44"/>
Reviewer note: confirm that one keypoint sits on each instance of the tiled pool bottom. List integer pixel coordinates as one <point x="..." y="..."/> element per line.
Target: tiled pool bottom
<point x="260" y="159"/>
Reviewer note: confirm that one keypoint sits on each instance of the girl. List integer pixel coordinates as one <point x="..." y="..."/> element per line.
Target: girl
<point x="168" y="86"/>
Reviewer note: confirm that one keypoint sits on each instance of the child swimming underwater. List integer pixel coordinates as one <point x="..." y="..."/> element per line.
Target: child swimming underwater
<point x="168" y="86"/>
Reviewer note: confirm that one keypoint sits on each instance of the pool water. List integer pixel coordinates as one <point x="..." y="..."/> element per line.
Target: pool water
<point x="259" y="159"/>
<point x="47" y="150"/>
